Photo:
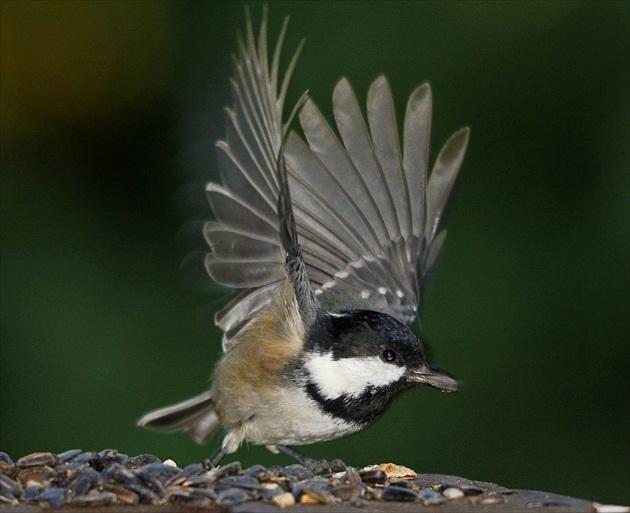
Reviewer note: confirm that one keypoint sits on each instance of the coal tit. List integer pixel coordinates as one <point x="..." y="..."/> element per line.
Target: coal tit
<point x="328" y="242"/>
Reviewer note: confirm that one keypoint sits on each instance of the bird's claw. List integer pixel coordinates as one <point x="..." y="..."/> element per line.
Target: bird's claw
<point x="317" y="466"/>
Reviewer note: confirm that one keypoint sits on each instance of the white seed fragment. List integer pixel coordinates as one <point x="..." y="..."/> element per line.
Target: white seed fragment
<point x="170" y="463"/>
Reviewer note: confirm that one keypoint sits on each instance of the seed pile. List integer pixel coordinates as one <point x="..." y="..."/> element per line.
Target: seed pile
<point x="108" y="477"/>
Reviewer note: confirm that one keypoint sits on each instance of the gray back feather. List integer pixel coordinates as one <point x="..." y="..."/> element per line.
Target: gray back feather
<point x="368" y="222"/>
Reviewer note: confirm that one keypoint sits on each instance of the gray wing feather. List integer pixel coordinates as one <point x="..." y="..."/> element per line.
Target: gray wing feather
<point x="384" y="132"/>
<point x="442" y="179"/>
<point x="230" y="242"/>
<point x="336" y="180"/>
<point x="417" y="132"/>
<point x="367" y="219"/>
<point x="245" y="247"/>
<point x="357" y="142"/>
<point x="242" y="308"/>
<point x="237" y="213"/>
<point x="295" y="266"/>
<point x="382" y="213"/>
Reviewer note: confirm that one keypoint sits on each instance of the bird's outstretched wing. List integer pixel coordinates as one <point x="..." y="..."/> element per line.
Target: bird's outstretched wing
<point x="245" y="245"/>
<point x="368" y="221"/>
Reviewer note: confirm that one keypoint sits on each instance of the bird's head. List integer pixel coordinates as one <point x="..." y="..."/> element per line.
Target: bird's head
<point x="357" y="361"/>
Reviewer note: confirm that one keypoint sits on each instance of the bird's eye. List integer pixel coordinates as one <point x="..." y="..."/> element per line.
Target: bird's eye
<point x="389" y="355"/>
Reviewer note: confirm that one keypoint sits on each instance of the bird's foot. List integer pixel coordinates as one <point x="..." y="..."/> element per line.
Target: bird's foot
<point x="315" y="466"/>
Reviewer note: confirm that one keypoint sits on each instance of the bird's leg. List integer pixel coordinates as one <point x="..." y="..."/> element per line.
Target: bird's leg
<point x="315" y="466"/>
<point x="213" y="461"/>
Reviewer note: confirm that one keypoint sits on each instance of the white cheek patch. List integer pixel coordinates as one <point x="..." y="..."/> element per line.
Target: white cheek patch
<point x="350" y="376"/>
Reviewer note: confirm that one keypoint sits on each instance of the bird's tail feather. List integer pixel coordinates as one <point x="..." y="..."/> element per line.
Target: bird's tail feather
<point x="196" y="416"/>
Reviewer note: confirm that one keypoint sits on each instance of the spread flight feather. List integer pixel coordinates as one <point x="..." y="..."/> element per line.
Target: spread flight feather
<point x="367" y="219"/>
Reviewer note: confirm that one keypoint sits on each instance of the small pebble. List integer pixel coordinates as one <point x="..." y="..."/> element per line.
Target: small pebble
<point x="270" y="486"/>
<point x="452" y="493"/>
<point x="284" y="500"/>
<point x="610" y="508"/>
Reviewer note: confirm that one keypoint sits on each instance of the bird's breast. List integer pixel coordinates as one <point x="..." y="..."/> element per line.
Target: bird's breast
<point x="294" y="418"/>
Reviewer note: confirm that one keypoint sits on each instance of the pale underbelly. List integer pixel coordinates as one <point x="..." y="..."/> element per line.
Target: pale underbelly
<point x="295" y="419"/>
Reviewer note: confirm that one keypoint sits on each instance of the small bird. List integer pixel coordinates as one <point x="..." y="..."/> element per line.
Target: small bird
<point x="328" y="242"/>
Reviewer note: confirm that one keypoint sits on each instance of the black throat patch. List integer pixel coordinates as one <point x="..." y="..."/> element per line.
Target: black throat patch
<point x="362" y="410"/>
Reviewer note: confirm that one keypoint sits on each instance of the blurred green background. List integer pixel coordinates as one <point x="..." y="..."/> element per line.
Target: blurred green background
<point x="109" y="111"/>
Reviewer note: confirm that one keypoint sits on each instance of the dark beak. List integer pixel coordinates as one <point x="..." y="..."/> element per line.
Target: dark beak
<point x="432" y="377"/>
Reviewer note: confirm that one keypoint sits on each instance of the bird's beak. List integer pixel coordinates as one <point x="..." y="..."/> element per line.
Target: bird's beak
<point x="432" y="377"/>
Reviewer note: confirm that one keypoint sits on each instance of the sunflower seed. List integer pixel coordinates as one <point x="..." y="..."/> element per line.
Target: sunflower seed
<point x="94" y="499"/>
<point x="234" y="496"/>
<point x="430" y="497"/>
<point x="373" y="476"/>
<point x="37" y="459"/>
<point x="349" y="491"/>
<point x="297" y="472"/>
<point x="53" y="498"/>
<point x="66" y="456"/>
